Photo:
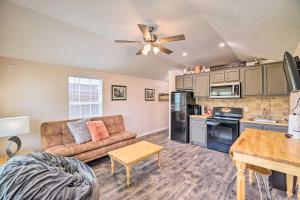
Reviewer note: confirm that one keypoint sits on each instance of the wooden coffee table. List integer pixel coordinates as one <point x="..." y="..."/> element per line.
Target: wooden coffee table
<point x="133" y="154"/>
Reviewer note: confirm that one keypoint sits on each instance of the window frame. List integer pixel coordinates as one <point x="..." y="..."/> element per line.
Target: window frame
<point x="99" y="102"/>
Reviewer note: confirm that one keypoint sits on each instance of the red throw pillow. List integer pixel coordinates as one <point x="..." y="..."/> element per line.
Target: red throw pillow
<point x="97" y="130"/>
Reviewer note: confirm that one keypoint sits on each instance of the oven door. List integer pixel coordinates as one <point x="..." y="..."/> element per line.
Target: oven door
<point x="221" y="134"/>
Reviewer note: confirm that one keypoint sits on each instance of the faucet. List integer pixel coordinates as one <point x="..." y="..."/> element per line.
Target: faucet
<point x="265" y="113"/>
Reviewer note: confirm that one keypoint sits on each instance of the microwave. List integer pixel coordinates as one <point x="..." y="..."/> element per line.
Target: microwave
<point x="225" y="90"/>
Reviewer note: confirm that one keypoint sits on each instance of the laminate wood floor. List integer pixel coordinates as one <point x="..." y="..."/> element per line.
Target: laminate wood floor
<point x="186" y="172"/>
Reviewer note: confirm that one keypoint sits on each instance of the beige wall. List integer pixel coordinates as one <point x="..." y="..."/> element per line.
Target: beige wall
<point x="40" y="91"/>
<point x="276" y="106"/>
<point x="297" y="50"/>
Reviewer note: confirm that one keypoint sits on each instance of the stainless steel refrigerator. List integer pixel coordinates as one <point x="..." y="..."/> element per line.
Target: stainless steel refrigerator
<point x="182" y="105"/>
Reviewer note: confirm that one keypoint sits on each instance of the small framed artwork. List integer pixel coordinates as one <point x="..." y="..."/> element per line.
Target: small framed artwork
<point x="163" y="97"/>
<point x="118" y="92"/>
<point x="149" y="94"/>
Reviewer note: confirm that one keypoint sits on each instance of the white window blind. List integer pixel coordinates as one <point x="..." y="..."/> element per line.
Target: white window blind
<point x="85" y="97"/>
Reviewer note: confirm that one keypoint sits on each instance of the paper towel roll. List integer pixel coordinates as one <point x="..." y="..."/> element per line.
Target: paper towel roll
<point x="294" y="126"/>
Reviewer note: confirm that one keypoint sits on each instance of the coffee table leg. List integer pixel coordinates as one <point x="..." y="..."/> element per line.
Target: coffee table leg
<point x="128" y="174"/>
<point x="112" y="166"/>
<point x="158" y="159"/>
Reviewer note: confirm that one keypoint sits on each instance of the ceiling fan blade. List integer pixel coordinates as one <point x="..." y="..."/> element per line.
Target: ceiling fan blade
<point x="127" y="41"/>
<point x="172" y="38"/>
<point x="162" y="48"/>
<point x="139" y="52"/>
<point x="144" y="29"/>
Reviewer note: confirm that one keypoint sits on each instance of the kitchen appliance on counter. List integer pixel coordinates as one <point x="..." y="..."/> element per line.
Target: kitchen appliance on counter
<point x="225" y="90"/>
<point x="223" y="128"/>
<point x="182" y="105"/>
<point x="199" y="109"/>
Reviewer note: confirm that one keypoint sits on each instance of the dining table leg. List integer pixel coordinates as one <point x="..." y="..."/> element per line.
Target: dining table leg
<point x="289" y="185"/>
<point x="240" y="180"/>
<point x="251" y="176"/>
<point x="298" y="184"/>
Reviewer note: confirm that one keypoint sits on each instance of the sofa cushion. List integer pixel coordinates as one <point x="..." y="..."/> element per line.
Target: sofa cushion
<point x="97" y="130"/>
<point x="80" y="131"/>
<point x="72" y="149"/>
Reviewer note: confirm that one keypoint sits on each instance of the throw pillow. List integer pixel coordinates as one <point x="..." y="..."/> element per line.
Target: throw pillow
<point x="97" y="130"/>
<point x="80" y="131"/>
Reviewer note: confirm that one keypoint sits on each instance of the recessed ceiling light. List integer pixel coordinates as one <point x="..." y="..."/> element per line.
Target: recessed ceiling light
<point x="184" y="54"/>
<point x="222" y="44"/>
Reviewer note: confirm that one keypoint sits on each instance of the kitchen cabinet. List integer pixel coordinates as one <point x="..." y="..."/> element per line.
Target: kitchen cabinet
<point x="184" y="82"/>
<point x="188" y="82"/>
<point x="201" y="85"/>
<point x="244" y="125"/>
<point x="252" y="81"/>
<point x="274" y="79"/>
<point x="217" y="77"/>
<point x="275" y="128"/>
<point x="267" y="127"/>
<point x="179" y="82"/>
<point x="232" y="75"/>
<point x="198" y="131"/>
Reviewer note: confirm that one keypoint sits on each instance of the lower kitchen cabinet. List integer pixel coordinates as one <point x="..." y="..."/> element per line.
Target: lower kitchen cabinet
<point x="275" y="128"/>
<point x="244" y="125"/>
<point x="267" y="127"/>
<point x="198" y="131"/>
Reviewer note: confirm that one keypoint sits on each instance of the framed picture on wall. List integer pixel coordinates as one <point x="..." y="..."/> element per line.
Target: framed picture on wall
<point x="163" y="97"/>
<point x="149" y="94"/>
<point x="118" y="92"/>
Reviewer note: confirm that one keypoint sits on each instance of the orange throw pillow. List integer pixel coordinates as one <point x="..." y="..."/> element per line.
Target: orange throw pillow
<point x="97" y="130"/>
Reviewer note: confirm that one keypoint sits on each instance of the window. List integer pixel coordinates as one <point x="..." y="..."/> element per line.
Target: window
<point x="85" y="97"/>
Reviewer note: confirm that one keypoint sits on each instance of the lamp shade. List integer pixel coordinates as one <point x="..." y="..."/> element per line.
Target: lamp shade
<point x="14" y="126"/>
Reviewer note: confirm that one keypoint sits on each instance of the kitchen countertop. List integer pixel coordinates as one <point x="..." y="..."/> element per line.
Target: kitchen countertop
<point x="281" y="123"/>
<point x="199" y="116"/>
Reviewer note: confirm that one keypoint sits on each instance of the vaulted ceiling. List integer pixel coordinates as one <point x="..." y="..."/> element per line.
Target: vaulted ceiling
<point x="82" y="33"/>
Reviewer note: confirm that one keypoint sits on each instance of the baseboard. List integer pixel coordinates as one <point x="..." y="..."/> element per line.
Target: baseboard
<point x="153" y="132"/>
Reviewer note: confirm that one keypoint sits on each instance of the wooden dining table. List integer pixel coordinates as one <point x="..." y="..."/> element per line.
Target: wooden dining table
<point x="267" y="149"/>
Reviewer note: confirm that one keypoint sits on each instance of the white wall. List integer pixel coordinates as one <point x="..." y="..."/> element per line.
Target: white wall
<point x="172" y="87"/>
<point x="297" y="50"/>
<point x="41" y="91"/>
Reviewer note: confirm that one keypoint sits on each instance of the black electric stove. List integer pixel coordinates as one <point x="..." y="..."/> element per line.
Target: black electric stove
<point x="223" y="128"/>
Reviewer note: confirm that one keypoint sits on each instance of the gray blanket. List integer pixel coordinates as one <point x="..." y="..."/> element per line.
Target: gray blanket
<point x="45" y="176"/>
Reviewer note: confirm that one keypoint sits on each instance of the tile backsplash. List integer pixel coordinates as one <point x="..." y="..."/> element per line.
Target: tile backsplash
<point x="276" y="106"/>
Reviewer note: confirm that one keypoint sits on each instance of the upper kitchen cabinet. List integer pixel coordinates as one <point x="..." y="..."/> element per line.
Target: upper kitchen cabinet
<point x="232" y="75"/>
<point x="184" y="82"/>
<point x="179" y="82"/>
<point x="217" y="77"/>
<point x="252" y="81"/>
<point x="225" y="76"/>
<point x="274" y="79"/>
<point x="201" y="85"/>
<point x="188" y="82"/>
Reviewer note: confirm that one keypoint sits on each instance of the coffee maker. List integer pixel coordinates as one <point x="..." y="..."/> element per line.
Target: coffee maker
<point x="294" y="117"/>
<point x="199" y="109"/>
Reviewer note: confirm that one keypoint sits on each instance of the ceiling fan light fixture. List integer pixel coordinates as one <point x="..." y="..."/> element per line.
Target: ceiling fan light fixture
<point x="145" y="52"/>
<point x="156" y="50"/>
<point x="148" y="47"/>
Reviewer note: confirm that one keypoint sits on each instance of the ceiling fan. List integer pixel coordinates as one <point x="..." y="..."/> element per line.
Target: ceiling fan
<point x="151" y="42"/>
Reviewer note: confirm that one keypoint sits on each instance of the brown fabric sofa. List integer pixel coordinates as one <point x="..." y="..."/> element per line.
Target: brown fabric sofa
<point x="57" y="139"/>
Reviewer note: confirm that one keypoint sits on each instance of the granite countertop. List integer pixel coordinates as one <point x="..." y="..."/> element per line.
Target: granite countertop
<point x="279" y="123"/>
<point x="199" y="116"/>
